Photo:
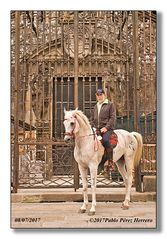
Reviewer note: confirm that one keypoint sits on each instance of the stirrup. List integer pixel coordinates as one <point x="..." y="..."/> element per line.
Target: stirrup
<point x="111" y="165"/>
<point x="106" y="174"/>
<point x="101" y="173"/>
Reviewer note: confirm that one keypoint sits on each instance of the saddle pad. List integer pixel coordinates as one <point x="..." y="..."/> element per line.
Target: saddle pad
<point x="114" y="139"/>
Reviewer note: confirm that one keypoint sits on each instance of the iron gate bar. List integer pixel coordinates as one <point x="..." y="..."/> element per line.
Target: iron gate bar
<point x="16" y="101"/>
<point x="145" y="74"/>
<point x="138" y="181"/>
<point x="76" y="59"/>
<point x="47" y="142"/>
<point x="76" y="170"/>
<point x="24" y="76"/>
<point x="127" y="78"/>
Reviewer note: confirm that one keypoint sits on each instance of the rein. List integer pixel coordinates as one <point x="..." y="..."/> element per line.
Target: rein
<point x="96" y="147"/>
<point x="82" y="136"/>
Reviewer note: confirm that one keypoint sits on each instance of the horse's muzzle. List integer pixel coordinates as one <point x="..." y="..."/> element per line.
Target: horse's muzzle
<point x="67" y="138"/>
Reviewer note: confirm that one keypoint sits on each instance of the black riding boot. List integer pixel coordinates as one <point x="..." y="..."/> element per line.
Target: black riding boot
<point x="101" y="164"/>
<point x="110" y="157"/>
<point x="110" y="167"/>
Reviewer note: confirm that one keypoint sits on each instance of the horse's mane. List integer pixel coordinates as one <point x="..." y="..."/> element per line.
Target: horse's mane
<point x="83" y="117"/>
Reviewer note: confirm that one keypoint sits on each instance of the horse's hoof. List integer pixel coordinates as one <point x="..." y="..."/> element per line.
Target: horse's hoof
<point x="91" y="213"/>
<point x="82" y="211"/>
<point x="125" y="207"/>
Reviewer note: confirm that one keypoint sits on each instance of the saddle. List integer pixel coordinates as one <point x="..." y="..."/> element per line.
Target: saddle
<point x="113" y="140"/>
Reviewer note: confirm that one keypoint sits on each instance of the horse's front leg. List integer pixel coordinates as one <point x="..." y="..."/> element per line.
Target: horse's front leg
<point x="93" y="174"/>
<point x="84" y="172"/>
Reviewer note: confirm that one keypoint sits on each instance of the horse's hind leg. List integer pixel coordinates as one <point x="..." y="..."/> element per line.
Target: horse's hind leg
<point x="84" y="172"/>
<point x="121" y="167"/>
<point x="129" y="169"/>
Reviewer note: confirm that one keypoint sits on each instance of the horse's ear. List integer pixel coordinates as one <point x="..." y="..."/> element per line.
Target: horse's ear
<point x="65" y="110"/>
<point x="76" y="109"/>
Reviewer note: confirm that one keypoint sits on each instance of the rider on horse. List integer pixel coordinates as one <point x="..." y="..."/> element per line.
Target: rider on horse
<point x="103" y="119"/>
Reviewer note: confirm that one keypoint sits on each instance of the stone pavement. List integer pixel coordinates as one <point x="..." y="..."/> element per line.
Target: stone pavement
<point x="65" y="215"/>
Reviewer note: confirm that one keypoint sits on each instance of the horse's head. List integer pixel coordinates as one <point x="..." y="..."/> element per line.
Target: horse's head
<point x="71" y="125"/>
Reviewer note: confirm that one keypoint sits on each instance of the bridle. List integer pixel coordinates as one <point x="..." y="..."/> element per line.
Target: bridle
<point x="72" y="131"/>
<point x="71" y="134"/>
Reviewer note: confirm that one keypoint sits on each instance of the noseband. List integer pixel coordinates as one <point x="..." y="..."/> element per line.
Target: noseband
<point x="72" y="131"/>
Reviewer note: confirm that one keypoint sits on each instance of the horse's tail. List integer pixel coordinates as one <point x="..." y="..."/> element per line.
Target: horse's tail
<point x="138" y="153"/>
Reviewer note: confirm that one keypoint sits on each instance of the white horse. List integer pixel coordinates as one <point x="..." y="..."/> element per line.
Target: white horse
<point x="88" y="153"/>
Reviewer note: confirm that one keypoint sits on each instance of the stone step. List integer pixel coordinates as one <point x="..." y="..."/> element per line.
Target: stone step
<point x="102" y="195"/>
<point x="149" y="183"/>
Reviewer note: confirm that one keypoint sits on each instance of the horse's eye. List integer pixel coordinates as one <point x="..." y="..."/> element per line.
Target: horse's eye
<point x="72" y="123"/>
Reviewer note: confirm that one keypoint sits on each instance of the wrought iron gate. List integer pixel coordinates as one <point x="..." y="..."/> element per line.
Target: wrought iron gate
<point x="59" y="59"/>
